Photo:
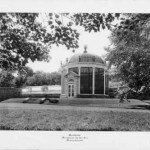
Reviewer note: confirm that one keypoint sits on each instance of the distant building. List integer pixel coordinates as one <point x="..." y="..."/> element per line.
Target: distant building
<point x="84" y="74"/>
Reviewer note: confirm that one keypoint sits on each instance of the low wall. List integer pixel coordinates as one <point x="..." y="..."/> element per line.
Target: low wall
<point x="6" y="92"/>
<point x="41" y="95"/>
<point x="41" y="90"/>
<point x="34" y="91"/>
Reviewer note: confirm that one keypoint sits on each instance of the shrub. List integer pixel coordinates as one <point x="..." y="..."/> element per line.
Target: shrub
<point x="8" y="92"/>
<point x="112" y="92"/>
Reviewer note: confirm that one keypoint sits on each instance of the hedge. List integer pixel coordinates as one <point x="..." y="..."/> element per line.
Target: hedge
<point x="8" y="92"/>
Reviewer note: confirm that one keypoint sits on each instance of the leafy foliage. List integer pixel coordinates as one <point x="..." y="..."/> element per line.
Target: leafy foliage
<point x="95" y="21"/>
<point x="23" y="74"/>
<point x="17" y="44"/>
<point x="130" y="52"/>
<point x="61" y="32"/>
<point x="40" y="78"/>
<point x="6" y="79"/>
<point x="25" y="38"/>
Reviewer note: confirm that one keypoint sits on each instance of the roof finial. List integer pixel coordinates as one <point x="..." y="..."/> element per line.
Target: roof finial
<point x="85" y="49"/>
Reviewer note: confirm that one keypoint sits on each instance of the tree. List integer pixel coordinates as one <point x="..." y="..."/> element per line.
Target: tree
<point x="25" y="38"/>
<point x="95" y="21"/>
<point x="6" y="79"/>
<point x="54" y="78"/>
<point x="130" y="50"/>
<point x="23" y="74"/>
<point x="40" y="78"/>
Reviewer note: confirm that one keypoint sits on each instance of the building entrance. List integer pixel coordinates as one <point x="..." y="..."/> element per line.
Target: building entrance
<point x="70" y="90"/>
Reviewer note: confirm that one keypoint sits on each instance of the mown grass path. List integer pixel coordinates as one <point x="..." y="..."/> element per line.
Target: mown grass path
<point x="119" y="108"/>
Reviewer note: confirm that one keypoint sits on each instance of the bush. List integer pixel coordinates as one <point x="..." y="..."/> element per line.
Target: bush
<point x="112" y="92"/>
<point x="51" y="100"/>
<point x="54" y="101"/>
<point x="8" y="92"/>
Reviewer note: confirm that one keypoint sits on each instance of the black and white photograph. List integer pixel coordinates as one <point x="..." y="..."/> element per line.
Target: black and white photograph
<point x="75" y="71"/>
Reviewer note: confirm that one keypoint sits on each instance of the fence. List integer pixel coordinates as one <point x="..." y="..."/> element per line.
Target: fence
<point x="35" y="91"/>
<point x="39" y="91"/>
<point x="6" y="92"/>
<point x="31" y="90"/>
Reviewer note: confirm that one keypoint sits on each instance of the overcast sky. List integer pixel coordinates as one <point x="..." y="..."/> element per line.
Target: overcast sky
<point x="95" y="44"/>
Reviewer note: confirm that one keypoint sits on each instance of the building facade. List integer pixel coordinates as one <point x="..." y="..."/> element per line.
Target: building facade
<point x="84" y="74"/>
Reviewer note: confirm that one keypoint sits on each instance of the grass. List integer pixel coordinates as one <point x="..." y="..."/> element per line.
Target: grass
<point x="88" y="102"/>
<point x="78" y="120"/>
<point x="87" y="115"/>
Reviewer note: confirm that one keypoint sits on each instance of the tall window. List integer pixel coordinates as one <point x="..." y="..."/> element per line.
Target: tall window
<point x="74" y="69"/>
<point x="106" y="83"/>
<point x="86" y="80"/>
<point x="99" y="81"/>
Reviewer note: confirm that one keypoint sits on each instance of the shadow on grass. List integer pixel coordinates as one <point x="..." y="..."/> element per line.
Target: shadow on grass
<point x="142" y="107"/>
<point x="101" y="129"/>
<point x="60" y="129"/>
<point x="5" y="128"/>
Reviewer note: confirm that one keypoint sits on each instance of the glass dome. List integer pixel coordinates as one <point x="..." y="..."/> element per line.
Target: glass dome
<point x="86" y="57"/>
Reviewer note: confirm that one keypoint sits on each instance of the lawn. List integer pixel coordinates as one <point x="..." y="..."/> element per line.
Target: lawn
<point x="72" y="118"/>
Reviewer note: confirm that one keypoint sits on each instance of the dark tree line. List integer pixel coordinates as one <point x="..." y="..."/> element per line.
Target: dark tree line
<point x="28" y="78"/>
<point x="41" y="78"/>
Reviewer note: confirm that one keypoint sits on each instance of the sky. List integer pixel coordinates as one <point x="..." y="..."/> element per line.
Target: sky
<point x="95" y="44"/>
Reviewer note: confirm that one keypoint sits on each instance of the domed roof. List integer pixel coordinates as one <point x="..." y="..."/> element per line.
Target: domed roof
<point x="86" y="57"/>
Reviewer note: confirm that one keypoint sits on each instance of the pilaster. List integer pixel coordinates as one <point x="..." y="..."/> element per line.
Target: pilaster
<point x="79" y="79"/>
<point x="93" y="83"/>
<point x="104" y="81"/>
